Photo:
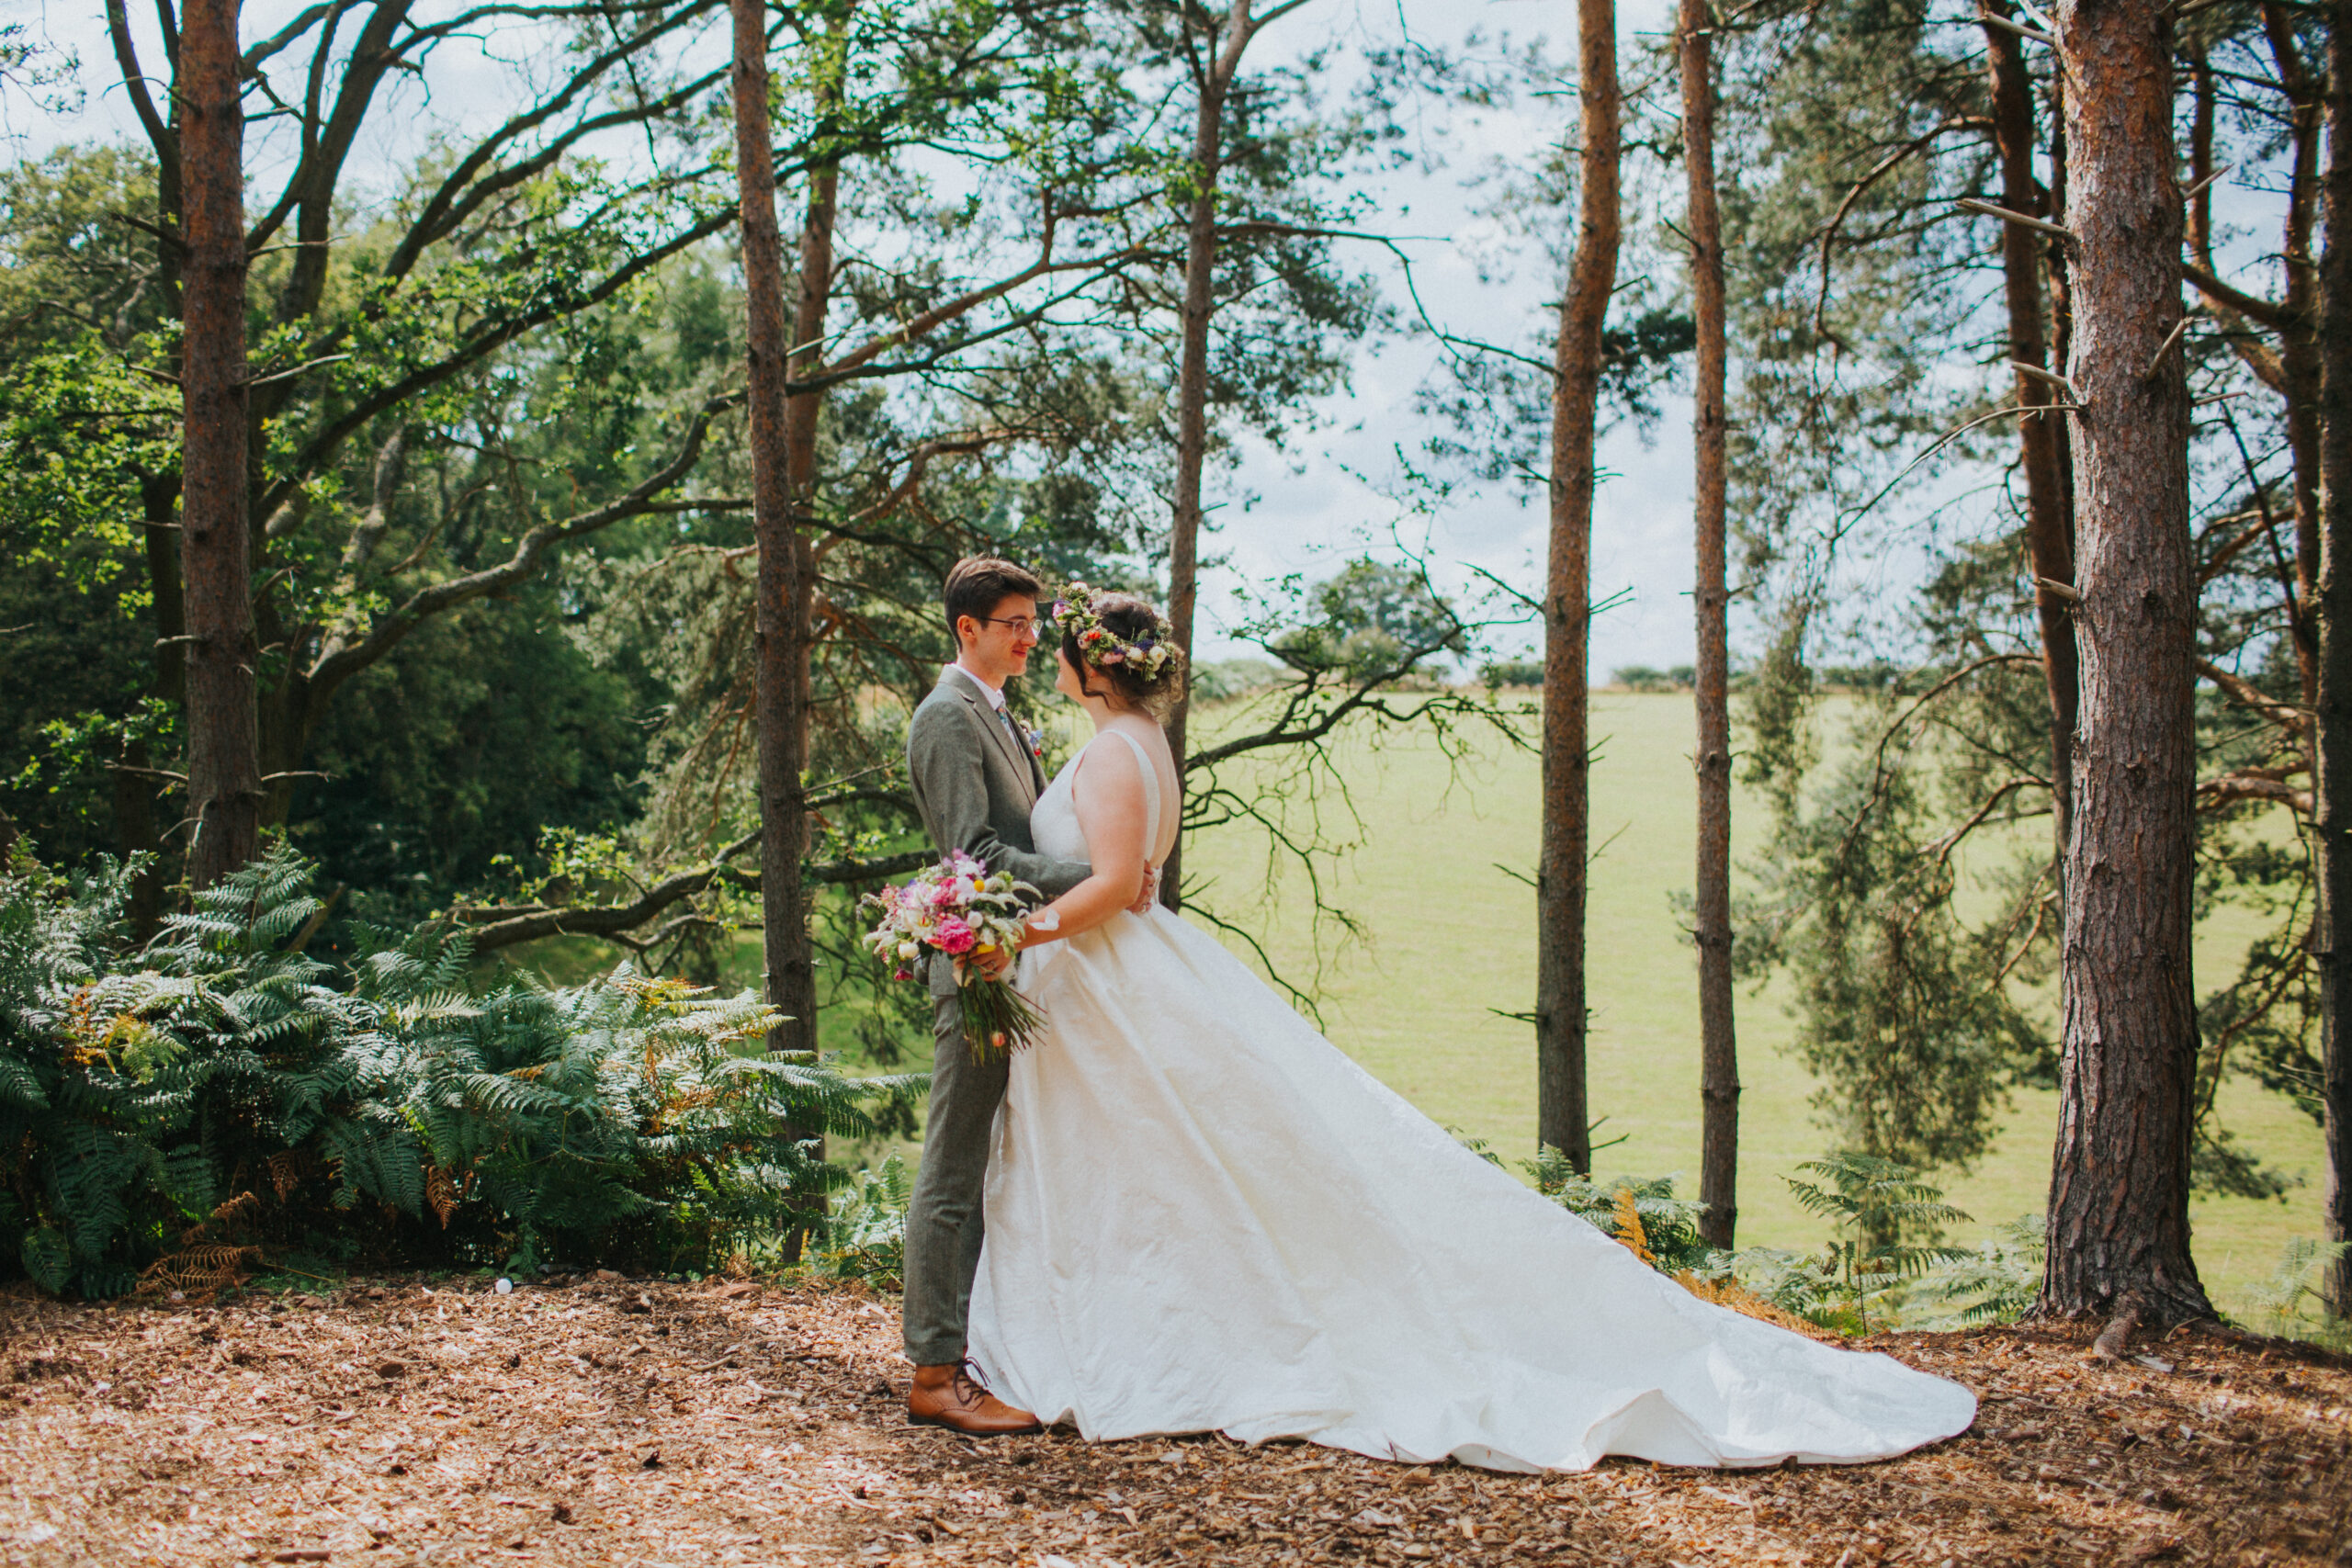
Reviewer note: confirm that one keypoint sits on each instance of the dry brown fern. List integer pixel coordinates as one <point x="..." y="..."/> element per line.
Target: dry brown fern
<point x="1726" y="1291"/>
<point x="244" y="1206"/>
<point x="287" y="1169"/>
<point x="208" y="1268"/>
<point x="1630" y="1233"/>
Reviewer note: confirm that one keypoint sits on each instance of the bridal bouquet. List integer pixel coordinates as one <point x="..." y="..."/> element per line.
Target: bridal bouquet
<point x="958" y="908"/>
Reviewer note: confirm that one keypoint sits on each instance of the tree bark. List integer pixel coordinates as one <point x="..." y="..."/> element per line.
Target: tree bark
<point x="1212" y="81"/>
<point x="224" y="773"/>
<point x="2332" y="787"/>
<point x="1710" y="925"/>
<point x="1563" y="1112"/>
<point x="135" y="788"/>
<point x="2050" y="523"/>
<point x="784" y="460"/>
<point x="2299" y="345"/>
<point x="2058" y="269"/>
<point x="2118" y="1195"/>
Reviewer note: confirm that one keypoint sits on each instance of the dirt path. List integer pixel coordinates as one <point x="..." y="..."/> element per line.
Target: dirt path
<point x="615" y="1422"/>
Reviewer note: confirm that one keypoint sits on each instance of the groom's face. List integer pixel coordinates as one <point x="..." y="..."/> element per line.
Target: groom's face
<point x="999" y="643"/>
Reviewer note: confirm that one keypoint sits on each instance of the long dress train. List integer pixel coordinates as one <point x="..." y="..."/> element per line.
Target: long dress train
<point x="1201" y="1215"/>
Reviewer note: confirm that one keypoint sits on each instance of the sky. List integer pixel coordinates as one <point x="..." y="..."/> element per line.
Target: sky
<point x="1306" y="509"/>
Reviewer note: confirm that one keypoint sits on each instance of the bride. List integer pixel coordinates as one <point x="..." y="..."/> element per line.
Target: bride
<point x="1201" y="1215"/>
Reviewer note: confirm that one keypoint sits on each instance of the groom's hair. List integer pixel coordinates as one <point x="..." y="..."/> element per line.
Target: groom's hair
<point x="978" y="584"/>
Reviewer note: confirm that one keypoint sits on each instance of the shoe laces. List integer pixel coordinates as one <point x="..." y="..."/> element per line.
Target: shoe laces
<point x="968" y="1380"/>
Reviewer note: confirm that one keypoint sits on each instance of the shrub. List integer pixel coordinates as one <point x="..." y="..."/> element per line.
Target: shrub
<point x="865" y="1237"/>
<point x="1512" y="673"/>
<point x="2284" y="1304"/>
<point x="1666" y="1226"/>
<point x="1232" y="678"/>
<point x="1996" y="1280"/>
<point x="220" y="1084"/>
<point x="138" y="1091"/>
<point x="1875" y="1203"/>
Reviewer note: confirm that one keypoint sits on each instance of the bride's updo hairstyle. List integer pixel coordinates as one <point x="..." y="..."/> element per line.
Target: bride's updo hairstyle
<point x="1124" y="643"/>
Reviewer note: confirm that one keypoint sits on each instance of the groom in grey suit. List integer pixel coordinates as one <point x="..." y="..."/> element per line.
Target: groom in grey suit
<point x="975" y="776"/>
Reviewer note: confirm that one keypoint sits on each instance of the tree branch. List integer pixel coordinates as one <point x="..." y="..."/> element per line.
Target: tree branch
<point x="339" y="664"/>
<point x="2245" y="695"/>
<point x="2270" y="314"/>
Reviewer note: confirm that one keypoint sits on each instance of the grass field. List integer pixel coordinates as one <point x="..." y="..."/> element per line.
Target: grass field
<point x="1449" y="937"/>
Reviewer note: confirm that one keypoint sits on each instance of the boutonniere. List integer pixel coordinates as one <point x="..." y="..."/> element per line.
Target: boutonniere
<point x="1036" y="738"/>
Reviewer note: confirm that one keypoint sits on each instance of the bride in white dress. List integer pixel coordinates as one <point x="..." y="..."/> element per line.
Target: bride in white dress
<point x="1201" y="1215"/>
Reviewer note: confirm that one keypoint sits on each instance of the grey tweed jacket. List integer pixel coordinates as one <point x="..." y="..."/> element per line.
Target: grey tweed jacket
<point x="974" y="785"/>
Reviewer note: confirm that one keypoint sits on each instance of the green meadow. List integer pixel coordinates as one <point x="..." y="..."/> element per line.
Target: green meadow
<point x="1449" y="937"/>
<point x="1446" y="945"/>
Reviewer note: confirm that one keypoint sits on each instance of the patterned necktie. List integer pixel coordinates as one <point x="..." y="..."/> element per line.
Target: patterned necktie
<point x="1019" y="742"/>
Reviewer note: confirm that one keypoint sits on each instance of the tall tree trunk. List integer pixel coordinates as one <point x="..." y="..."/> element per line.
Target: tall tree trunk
<point x="1212" y="83"/>
<point x="224" y="773"/>
<point x="135" y="789"/>
<point x="2118" y="1194"/>
<point x="2298" y="346"/>
<point x="783" y="463"/>
<point x="2058" y="270"/>
<point x="1563" y="1112"/>
<point x="2331" y="791"/>
<point x="1711" y="926"/>
<point x="2050" y="524"/>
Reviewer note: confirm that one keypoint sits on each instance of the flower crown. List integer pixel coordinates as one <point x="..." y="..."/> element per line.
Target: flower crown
<point x="1147" y="656"/>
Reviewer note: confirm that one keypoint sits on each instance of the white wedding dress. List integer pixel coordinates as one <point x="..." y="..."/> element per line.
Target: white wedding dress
<point x="1201" y="1215"/>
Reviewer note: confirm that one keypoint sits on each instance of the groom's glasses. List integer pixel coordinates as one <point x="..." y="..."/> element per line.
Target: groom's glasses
<point x="1021" y="624"/>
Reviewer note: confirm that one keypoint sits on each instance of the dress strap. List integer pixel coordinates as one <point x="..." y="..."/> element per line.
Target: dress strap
<point x="1150" y="792"/>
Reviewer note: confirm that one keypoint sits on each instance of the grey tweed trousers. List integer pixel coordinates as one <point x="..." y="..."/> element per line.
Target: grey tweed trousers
<point x="944" y="1224"/>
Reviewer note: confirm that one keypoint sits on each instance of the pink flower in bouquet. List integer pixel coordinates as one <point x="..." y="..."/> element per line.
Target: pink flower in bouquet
<point x="955" y="936"/>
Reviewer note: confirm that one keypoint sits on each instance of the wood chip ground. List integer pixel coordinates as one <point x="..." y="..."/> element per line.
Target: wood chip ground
<point x="624" y="1422"/>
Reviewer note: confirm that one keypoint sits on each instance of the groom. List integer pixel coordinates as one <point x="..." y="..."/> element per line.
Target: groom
<point x="975" y="776"/>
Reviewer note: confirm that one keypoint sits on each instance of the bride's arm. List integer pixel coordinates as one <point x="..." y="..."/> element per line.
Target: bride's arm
<point x="1108" y="794"/>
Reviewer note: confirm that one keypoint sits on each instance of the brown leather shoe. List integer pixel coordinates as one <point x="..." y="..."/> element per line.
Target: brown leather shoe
<point x="952" y="1397"/>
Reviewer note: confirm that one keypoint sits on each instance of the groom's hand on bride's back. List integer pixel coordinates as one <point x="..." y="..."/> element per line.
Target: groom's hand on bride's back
<point x="1149" y="896"/>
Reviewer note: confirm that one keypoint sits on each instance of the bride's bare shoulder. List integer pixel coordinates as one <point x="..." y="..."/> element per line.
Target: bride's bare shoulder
<point x="1150" y="736"/>
<point x="1115" y="764"/>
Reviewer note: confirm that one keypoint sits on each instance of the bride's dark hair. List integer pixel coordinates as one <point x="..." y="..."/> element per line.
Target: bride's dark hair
<point x="1130" y="624"/>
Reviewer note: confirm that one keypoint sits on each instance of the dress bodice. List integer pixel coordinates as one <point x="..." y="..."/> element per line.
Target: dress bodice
<point x="1053" y="821"/>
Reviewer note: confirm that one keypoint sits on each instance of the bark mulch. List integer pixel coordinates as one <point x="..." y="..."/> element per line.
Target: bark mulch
<point x="627" y="1422"/>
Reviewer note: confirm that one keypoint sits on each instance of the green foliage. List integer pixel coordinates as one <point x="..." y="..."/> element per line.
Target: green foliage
<point x="865" y="1237"/>
<point x="2293" y="1305"/>
<point x="1909" y="1014"/>
<point x="1643" y="678"/>
<point x="220" y="1078"/>
<point x="1669" y="1225"/>
<point x="1374" y="621"/>
<point x="140" y="1089"/>
<point x="1806" y="1284"/>
<point x="1499" y="672"/>
<point x="1993" y="1281"/>
<point x="488" y="733"/>
<point x="1875" y="1205"/>
<point x="1224" y="678"/>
